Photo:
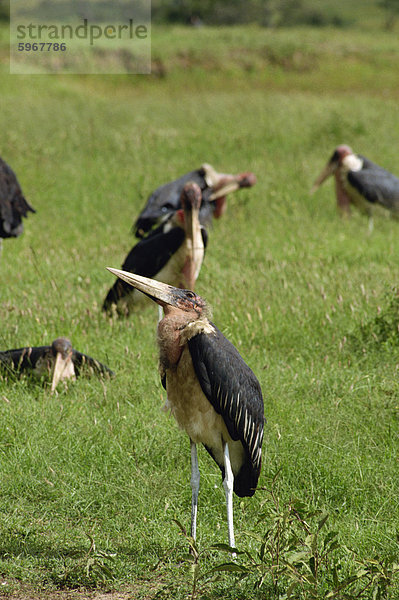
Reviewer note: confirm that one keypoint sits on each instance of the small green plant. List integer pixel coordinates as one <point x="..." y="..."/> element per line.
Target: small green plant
<point x="98" y="562"/>
<point x="297" y="557"/>
<point x="192" y="558"/>
<point x="91" y="569"/>
<point x="376" y="576"/>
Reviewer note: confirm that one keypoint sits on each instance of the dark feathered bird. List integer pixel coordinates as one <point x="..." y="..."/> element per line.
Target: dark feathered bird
<point x="172" y="253"/>
<point x="212" y="393"/>
<point x="213" y="185"/>
<point x="59" y="361"/>
<point x="361" y="183"/>
<point x="13" y="204"/>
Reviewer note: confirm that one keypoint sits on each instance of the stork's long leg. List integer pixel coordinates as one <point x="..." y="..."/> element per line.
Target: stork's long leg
<point x="228" y="488"/>
<point x="195" y="483"/>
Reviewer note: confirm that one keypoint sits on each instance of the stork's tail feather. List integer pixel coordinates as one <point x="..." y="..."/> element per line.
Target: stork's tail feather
<point x="246" y="480"/>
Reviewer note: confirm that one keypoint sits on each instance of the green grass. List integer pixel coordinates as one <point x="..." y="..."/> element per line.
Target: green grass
<point x="295" y="288"/>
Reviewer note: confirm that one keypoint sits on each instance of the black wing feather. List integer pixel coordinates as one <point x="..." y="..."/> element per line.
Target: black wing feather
<point x="81" y="361"/>
<point x="234" y="392"/>
<point x="376" y="184"/>
<point x="22" y="359"/>
<point x="150" y="255"/>
<point x="146" y="258"/>
<point x="204" y="235"/>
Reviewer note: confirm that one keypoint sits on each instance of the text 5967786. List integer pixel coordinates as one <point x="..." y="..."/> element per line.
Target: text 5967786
<point x="41" y="47"/>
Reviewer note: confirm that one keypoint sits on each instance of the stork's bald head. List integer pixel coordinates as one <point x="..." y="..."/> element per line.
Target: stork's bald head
<point x="336" y="160"/>
<point x="163" y="294"/>
<point x="62" y="346"/>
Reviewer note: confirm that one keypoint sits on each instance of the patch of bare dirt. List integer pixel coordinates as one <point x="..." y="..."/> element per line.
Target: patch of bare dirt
<point x="24" y="594"/>
<point x="27" y="593"/>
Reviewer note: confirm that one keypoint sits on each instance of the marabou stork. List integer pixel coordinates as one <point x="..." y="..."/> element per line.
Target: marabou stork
<point x="172" y="253"/>
<point x="59" y="360"/>
<point x="212" y="393"/>
<point x="214" y="187"/>
<point x="362" y="183"/>
<point x="13" y="204"/>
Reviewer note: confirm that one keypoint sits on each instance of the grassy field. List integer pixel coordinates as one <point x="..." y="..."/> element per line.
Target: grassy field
<point x="94" y="477"/>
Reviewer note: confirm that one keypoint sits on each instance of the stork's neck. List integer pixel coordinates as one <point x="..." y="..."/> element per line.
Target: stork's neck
<point x="351" y="162"/>
<point x="174" y="330"/>
<point x="169" y="329"/>
<point x="194" y="249"/>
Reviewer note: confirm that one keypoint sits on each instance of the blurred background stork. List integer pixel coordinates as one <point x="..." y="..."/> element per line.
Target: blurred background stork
<point x="13" y="204"/>
<point x="361" y="183"/>
<point x="214" y="187"/>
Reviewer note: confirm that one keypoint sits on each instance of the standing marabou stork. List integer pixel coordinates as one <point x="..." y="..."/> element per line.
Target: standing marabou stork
<point x="172" y="253"/>
<point x="214" y="187"/>
<point x="59" y="360"/>
<point x="212" y="393"/>
<point x="362" y="183"/>
<point x="13" y="204"/>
